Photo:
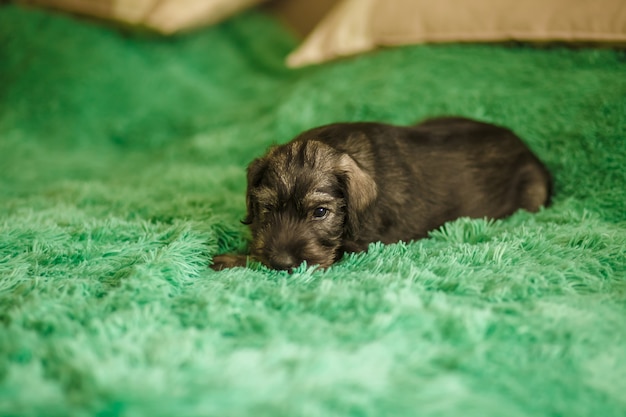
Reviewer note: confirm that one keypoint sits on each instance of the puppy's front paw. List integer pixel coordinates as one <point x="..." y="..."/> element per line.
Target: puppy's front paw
<point x="228" y="261"/>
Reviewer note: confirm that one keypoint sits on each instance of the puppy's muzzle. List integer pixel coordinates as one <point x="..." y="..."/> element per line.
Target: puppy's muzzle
<point x="284" y="244"/>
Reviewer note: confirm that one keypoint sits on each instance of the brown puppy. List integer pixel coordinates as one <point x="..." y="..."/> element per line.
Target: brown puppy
<point x="337" y="188"/>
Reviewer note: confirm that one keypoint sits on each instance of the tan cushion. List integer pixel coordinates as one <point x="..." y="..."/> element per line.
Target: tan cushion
<point x="165" y="16"/>
<point x="355" y="26"/>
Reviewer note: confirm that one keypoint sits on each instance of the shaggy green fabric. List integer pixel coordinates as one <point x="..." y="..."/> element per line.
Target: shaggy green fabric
<point x="122" y="162"/>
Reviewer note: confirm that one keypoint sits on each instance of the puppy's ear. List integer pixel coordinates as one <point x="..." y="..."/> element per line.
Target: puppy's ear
<point x="359" y="188"/>
<point x="256" y="169"/>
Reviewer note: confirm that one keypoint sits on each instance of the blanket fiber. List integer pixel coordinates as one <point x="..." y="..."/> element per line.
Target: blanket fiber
<point x="122" y="172"/>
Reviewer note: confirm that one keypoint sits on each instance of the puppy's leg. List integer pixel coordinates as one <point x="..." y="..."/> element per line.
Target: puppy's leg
<point x="228" y="261"/>
<point x="533" y="188"/>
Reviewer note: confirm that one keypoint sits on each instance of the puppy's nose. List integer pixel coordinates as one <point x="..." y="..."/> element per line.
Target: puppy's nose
<point x="283" y="261"/>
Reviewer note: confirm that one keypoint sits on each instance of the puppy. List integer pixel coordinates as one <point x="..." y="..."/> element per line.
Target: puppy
<point x="340" y="187"/>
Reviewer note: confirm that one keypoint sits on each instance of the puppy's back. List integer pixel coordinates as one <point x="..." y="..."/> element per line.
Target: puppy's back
<point x="437" y="171"/>
<point x="493" y="157"/>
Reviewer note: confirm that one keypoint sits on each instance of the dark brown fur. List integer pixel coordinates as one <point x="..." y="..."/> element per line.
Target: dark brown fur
<point x="377" y="182"/>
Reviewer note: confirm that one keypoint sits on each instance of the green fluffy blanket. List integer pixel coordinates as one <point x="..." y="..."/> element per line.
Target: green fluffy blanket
<point x="122" y="172"/>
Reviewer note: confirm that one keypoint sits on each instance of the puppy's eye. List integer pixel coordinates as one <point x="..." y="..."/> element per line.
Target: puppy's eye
<point x="320" y="213"/>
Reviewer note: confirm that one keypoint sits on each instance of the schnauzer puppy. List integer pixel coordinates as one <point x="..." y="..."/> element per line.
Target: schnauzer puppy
<point x="340" y="187"/>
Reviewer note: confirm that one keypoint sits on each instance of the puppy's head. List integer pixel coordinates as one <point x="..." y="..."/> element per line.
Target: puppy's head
<point x="303" y="200"/>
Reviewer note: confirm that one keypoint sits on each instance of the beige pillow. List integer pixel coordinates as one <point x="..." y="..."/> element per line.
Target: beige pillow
<point x="164" y="16"/>
<point x="355" y="26"/>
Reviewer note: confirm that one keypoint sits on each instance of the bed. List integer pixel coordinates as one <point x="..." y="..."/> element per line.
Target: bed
<point x="123" y="161"/>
